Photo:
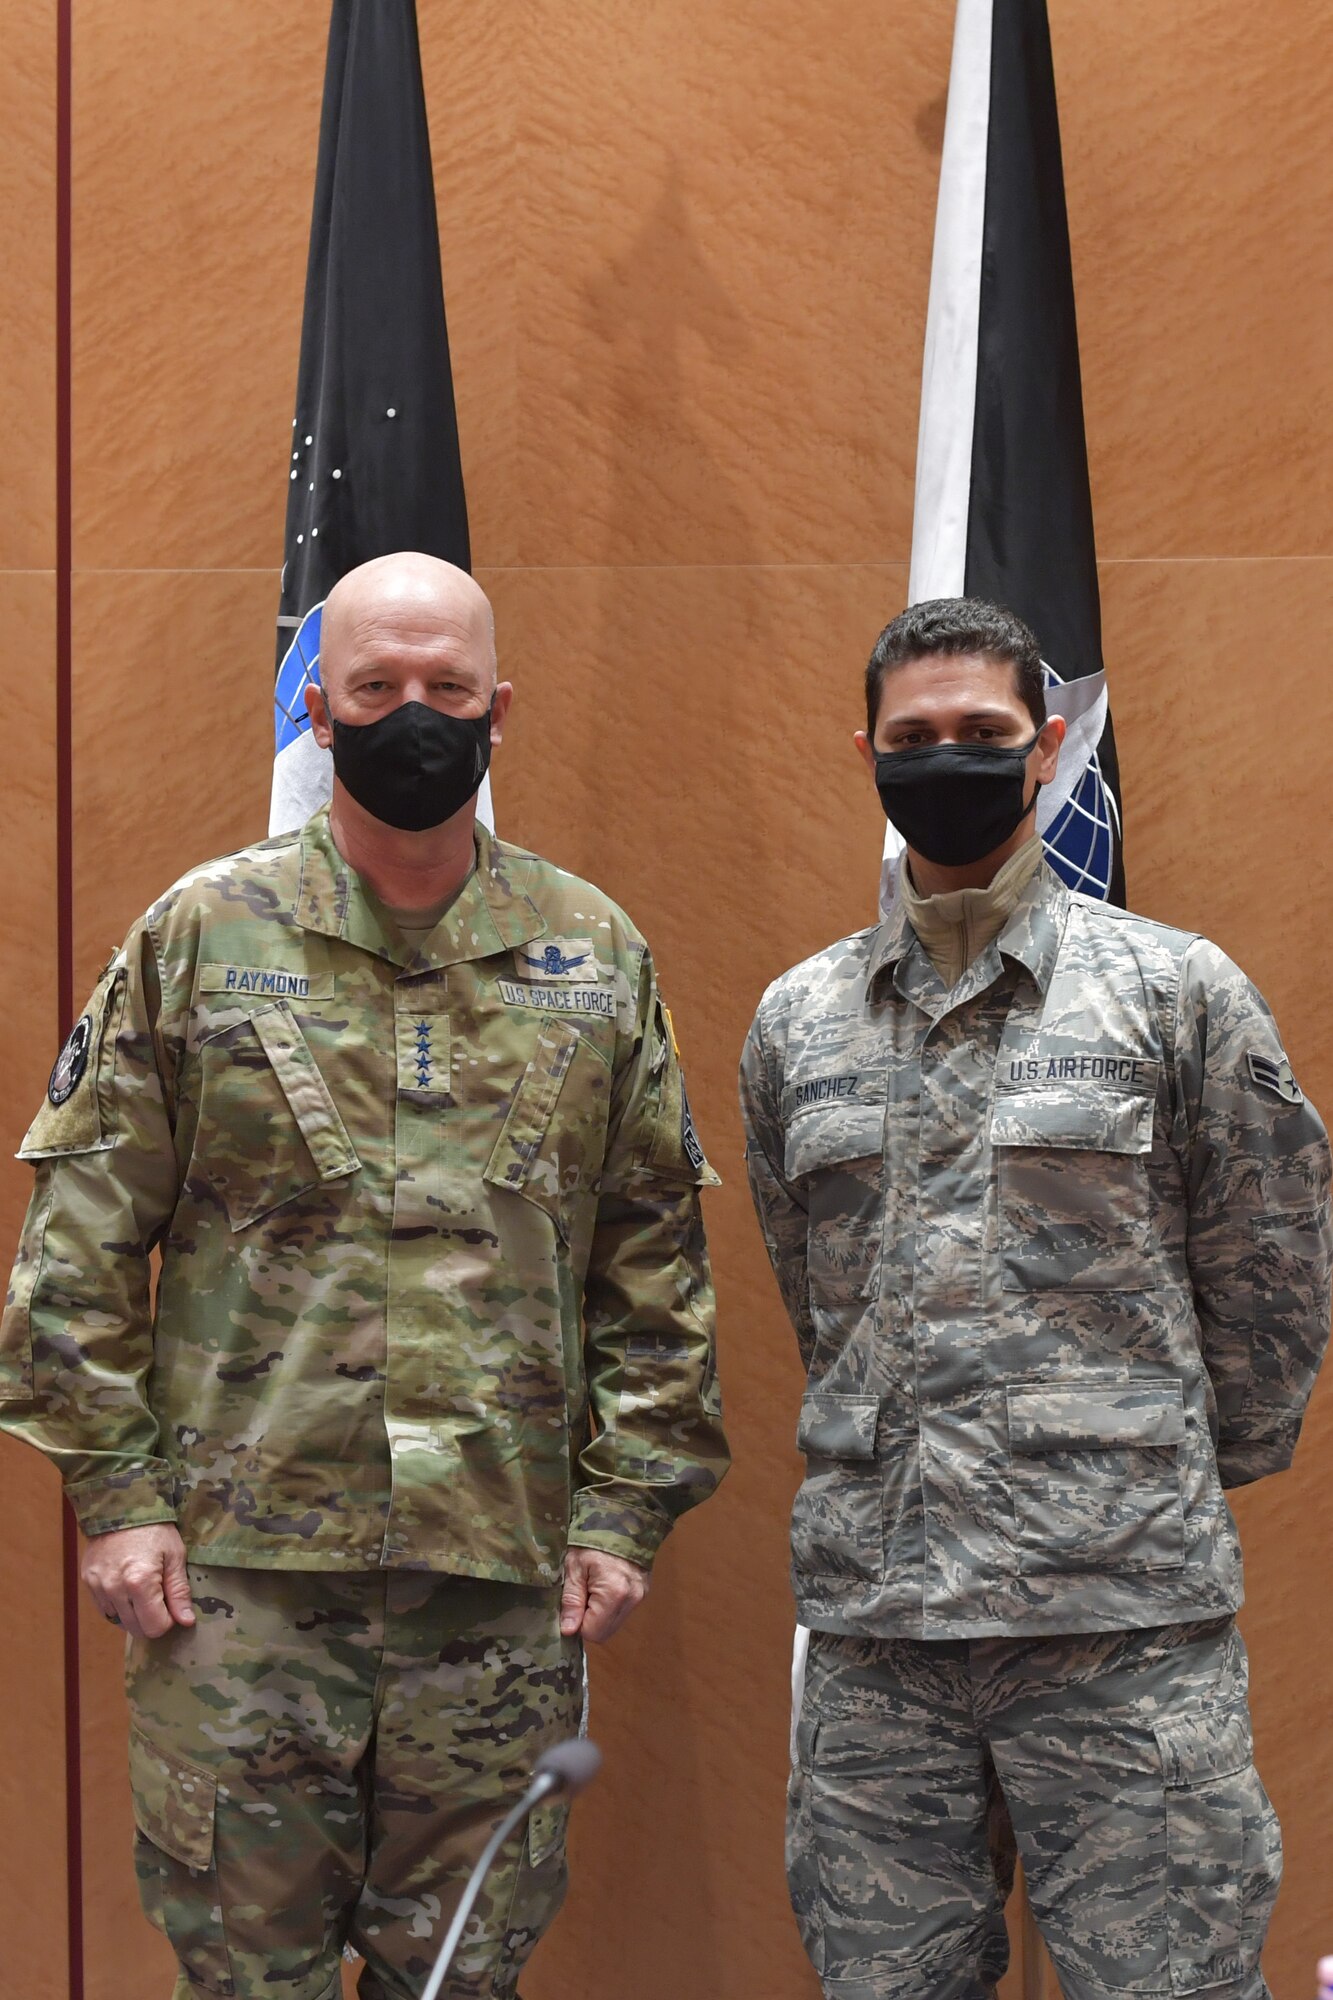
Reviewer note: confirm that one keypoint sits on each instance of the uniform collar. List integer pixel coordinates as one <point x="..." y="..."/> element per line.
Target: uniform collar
<point x="1031" y="935"/>
<point x="491" y="913"/>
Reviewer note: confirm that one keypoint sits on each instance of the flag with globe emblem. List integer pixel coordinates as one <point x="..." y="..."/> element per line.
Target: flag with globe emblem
<point x="375" y="463"/>
<point x="1003" y="507"/>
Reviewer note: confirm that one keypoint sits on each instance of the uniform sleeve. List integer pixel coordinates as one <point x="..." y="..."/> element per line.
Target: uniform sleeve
<point x="781" y="1215"/>
<point x="1260" y="1243"/>
<point x="658" y="1446"/>
<point x="76" y="1338"/>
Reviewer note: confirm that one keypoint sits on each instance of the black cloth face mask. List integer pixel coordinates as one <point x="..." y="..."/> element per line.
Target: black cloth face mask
<point x="414" y="767"/>
<point x="955" y="802"/>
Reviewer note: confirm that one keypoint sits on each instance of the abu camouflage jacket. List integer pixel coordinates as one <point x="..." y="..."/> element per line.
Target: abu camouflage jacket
<point x="433" y="1287"/>
<point x="1056" y="1246"/>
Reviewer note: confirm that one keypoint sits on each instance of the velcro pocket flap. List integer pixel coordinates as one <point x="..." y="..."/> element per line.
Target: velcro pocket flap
<point x="1195" y="1749"/>
<point x="1080" y="1417"/>
<point x="523" y="1131"/>
<point x="174" y="1802"/>
<point x="1088" y="1117"/>
<point x="833" y="1426"/>
<point x="829" y="1135"/>
<point x="305" y="1090"/>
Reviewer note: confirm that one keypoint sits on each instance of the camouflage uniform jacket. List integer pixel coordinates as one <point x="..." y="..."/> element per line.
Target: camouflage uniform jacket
<point x="1056" y="1246"/>
<point x="433" y="1290"/>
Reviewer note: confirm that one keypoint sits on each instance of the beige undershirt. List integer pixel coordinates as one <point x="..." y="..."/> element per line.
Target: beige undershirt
<point x="956" y="927"/>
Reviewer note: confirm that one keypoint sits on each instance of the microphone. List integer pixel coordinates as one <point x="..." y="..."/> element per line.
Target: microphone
<point x="565" y="1767"/>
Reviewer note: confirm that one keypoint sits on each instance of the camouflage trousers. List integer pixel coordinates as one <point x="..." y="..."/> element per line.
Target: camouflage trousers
<point x="1118" y="1765"/>
<point x="320" y="1760"/>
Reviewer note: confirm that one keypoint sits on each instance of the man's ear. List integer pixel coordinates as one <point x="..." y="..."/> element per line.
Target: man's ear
<point x="865" y="750"/>
<point x="501" y="703"/>
<point x="1052" y="735"/>
<point x="318" y="710"/>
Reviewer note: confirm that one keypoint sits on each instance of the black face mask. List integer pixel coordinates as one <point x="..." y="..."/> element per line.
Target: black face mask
<point x="413" y="768"/>
<point x="955" y="802"/>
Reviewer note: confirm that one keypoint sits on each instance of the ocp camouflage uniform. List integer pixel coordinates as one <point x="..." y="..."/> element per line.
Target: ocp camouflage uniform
<point x="1056" y="1246"/>
<point x="433" y="1291"/>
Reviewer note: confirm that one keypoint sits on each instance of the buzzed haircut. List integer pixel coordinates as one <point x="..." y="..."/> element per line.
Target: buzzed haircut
<point x="943" y="627"/>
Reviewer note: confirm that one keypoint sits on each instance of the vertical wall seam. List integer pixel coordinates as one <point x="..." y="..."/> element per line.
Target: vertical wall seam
<point x="65" y="910"/>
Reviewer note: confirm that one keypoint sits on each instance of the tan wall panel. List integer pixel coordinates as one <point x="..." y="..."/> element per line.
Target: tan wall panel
<point x="28" y="261"/>
<point x="1221" y="702"/>
<point x="1200" y="182"/>
<point x="173" y="737"/>
<point x="32" y="1734"/>
<point x="724" y="258"/>
<point x="193" y="174"/>
<point x="470" y="62"/>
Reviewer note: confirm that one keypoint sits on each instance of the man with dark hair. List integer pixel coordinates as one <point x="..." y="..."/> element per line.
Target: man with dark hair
<point x="1050" y="1215"/>
<point x="947" y="627"/>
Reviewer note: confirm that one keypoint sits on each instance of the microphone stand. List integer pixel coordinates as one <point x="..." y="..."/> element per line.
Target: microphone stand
<point x="566" y="1768"/>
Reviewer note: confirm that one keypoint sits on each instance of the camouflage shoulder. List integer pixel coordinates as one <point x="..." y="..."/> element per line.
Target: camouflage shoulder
<point x="1129" y="929"/>
<point x="264" y="870"/>
<point x="834" y="966"/>
<point x="570" y="905"/>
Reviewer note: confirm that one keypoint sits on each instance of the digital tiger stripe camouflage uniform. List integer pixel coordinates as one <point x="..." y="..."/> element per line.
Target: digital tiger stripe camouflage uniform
<point x="1056" y="1247"/>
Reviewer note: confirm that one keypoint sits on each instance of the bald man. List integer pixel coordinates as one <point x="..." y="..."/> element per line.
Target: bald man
<point x="428" y="1372"/>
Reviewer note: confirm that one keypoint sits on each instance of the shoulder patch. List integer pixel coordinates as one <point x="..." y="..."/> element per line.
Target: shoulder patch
<point x="1275" y="1076"/>
<point x="72" y="1062"/>
<point x="689" y="1138"/>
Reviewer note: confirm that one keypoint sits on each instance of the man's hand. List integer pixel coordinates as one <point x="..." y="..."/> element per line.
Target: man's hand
<point x="137" y="1578"/>
<point x="600" y="1592"/>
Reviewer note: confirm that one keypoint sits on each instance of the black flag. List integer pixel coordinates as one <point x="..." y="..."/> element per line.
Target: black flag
<point x="1003" y="508"/>
<point x="375" y="463"/>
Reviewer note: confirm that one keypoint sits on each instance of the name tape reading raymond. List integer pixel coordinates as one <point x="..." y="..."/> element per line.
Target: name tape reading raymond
<point x="271" y="980"/>
<point x="559" y="999"/>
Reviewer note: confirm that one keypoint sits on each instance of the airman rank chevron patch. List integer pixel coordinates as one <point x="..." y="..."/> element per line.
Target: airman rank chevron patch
<point x="1276" y="1076"/>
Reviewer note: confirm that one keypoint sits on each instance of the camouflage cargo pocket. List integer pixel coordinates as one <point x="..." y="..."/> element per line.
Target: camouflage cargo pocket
<point x="540" y="1883"/>
<point x="1072" y="1189"/>
<point x="268" y="1128"/>
<point x="1095" y="1475"/>
<point x="837" y="1526"/>
<point x="174" y="1806"/>
<point x="1208" y="1776"/>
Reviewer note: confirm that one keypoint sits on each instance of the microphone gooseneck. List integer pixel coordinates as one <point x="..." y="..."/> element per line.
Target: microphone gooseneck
<point x="565" y="1767"/>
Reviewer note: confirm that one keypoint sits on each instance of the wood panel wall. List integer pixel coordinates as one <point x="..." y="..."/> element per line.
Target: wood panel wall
<point x="686" y="248"/>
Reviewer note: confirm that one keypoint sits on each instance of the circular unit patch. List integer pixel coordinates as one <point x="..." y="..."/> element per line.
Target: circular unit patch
<point x="71" y="1062"/>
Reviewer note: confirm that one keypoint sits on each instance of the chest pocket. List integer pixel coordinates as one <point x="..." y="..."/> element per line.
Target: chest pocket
<point x="1072" y="1181"/>
<point x="554" y="1135"/>
<point x="268" y="1128"/>
<point x="834" y="1154"/>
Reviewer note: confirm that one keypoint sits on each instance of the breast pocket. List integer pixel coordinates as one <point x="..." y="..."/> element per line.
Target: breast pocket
<point x="553" y="1140"/>
<point x="1095" y="1474"/>
<point x="1072" y="1189"/>
<point x="268" y="1128"/>
<point x="835" y="1152"/>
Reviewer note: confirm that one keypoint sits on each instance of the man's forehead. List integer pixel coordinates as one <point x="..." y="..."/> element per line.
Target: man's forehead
<point x="414" y="635"/>
<point x="934" y="683"/>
